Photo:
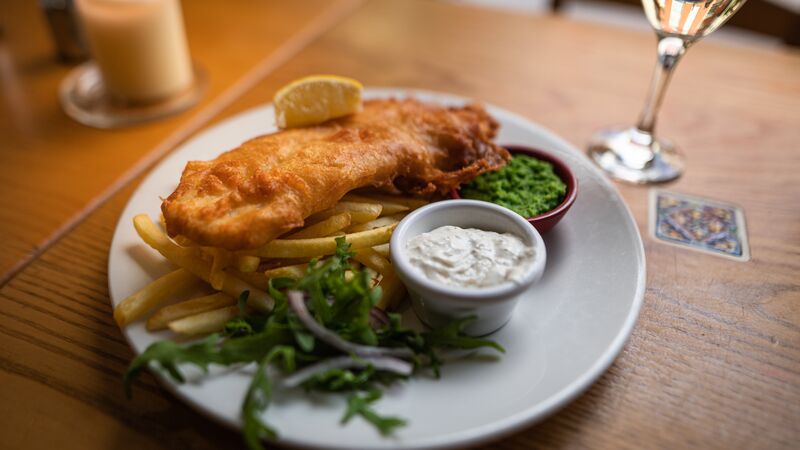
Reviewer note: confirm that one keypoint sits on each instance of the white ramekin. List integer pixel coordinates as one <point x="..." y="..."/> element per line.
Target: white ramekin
<point x="437" y="304"/>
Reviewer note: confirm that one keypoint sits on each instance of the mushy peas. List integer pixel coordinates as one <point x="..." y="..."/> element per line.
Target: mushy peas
<point x="526" y="185"/>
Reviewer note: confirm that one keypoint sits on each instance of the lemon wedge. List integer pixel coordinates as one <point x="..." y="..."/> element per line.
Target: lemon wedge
<point x="314" y="99"/>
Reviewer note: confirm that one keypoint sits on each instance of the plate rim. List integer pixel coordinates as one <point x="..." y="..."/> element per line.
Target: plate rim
<point x="478" y="435"/>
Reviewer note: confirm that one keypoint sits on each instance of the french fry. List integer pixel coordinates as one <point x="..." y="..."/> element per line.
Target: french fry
<point x="183" y="241"/>
<point x="295" y="271"/>
<point x="187" y="259"/>
<point x="205" y="253"/>
<point x="153" y="295"/>
<point x="274" y="263"/>
<point x="392" y="291"/>
<point x="247" y="264"/>
<point x="170" y="313"/>
<point x="256" y="279"/>
<point x="382" y="250"/>
<point x="204" y="322"/>
<point x="373" y="276"/>
<point x="373" y="260"/>
<point x="389" y="207"/>
<point x="359" y="212"/>
<point x="321" y="229"/>
<point x="377" y="223"/>
<point x="298" y="248"/>
<point x="220" y="259"/>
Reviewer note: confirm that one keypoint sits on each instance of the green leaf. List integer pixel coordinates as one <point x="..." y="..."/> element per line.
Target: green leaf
<point x="259" y="395"/>
<point x="333" y="380"/>
<point x="359" y="405"/>
<point x="238" y="327"/>
<point x="256" y="346"/>
<point x="302" y="337"/>
<point x="168" y="354"/>
<point x="452" y="336"/>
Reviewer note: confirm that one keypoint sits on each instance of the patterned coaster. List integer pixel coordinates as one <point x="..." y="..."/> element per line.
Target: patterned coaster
<point x="699" y="224"/>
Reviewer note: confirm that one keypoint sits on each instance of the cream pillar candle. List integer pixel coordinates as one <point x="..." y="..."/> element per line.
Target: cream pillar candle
<point x="139" y="46"/>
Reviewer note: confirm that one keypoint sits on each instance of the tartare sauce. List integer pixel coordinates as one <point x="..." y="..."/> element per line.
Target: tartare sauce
<point x="469" y="257"/>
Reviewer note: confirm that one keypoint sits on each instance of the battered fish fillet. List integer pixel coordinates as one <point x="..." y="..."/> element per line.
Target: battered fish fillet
<point x="252" y="194"/>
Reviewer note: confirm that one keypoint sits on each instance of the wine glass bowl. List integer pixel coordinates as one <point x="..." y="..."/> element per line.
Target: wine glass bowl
<point x="689" y="19"/>
<point x="635" y="154"/>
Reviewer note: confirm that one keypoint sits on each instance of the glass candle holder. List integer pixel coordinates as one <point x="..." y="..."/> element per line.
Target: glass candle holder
<point x="141" y="68"/>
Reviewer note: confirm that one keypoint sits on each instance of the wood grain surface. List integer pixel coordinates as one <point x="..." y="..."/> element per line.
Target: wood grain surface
<point x="52" y="168"/>
<point x="714" y="361"/>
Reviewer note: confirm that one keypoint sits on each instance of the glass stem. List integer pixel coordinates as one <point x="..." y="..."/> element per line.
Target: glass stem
<point x="670" y="50"/>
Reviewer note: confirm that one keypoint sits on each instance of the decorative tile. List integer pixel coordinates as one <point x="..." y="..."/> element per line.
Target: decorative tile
<point x="699" y="223"/>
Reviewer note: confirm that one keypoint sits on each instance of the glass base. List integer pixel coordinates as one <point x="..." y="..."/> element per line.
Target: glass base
<point x="632" y="155"/>
<point x="85" y="99"/>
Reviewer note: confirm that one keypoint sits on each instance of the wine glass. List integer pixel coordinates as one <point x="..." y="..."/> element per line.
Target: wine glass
<point x="635" y="154"/>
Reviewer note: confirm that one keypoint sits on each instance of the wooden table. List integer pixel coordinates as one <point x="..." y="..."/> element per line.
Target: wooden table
<point x="714" y="361"/>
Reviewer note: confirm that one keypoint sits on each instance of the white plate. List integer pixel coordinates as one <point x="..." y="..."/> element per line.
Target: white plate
<point x="561" y="338"/>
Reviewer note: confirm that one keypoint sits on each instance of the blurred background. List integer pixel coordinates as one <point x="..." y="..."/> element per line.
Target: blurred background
<point x="759" y="22"/>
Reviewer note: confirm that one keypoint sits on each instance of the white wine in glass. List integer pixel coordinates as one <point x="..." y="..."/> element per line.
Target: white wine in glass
<point x="689" y="19"/>
<point x="634" y="154"/>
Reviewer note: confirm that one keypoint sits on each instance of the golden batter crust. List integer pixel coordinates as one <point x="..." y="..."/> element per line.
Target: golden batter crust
<point x="252" y="194"/>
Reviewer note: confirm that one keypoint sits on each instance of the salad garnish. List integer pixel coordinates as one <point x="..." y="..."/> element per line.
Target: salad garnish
<point x="322" y="335"/>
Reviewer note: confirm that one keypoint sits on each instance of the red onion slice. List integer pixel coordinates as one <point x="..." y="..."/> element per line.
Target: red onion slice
<point x="298" y="305"/>
<point x="388" y="364"/>
<point x="378" y="318"/>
